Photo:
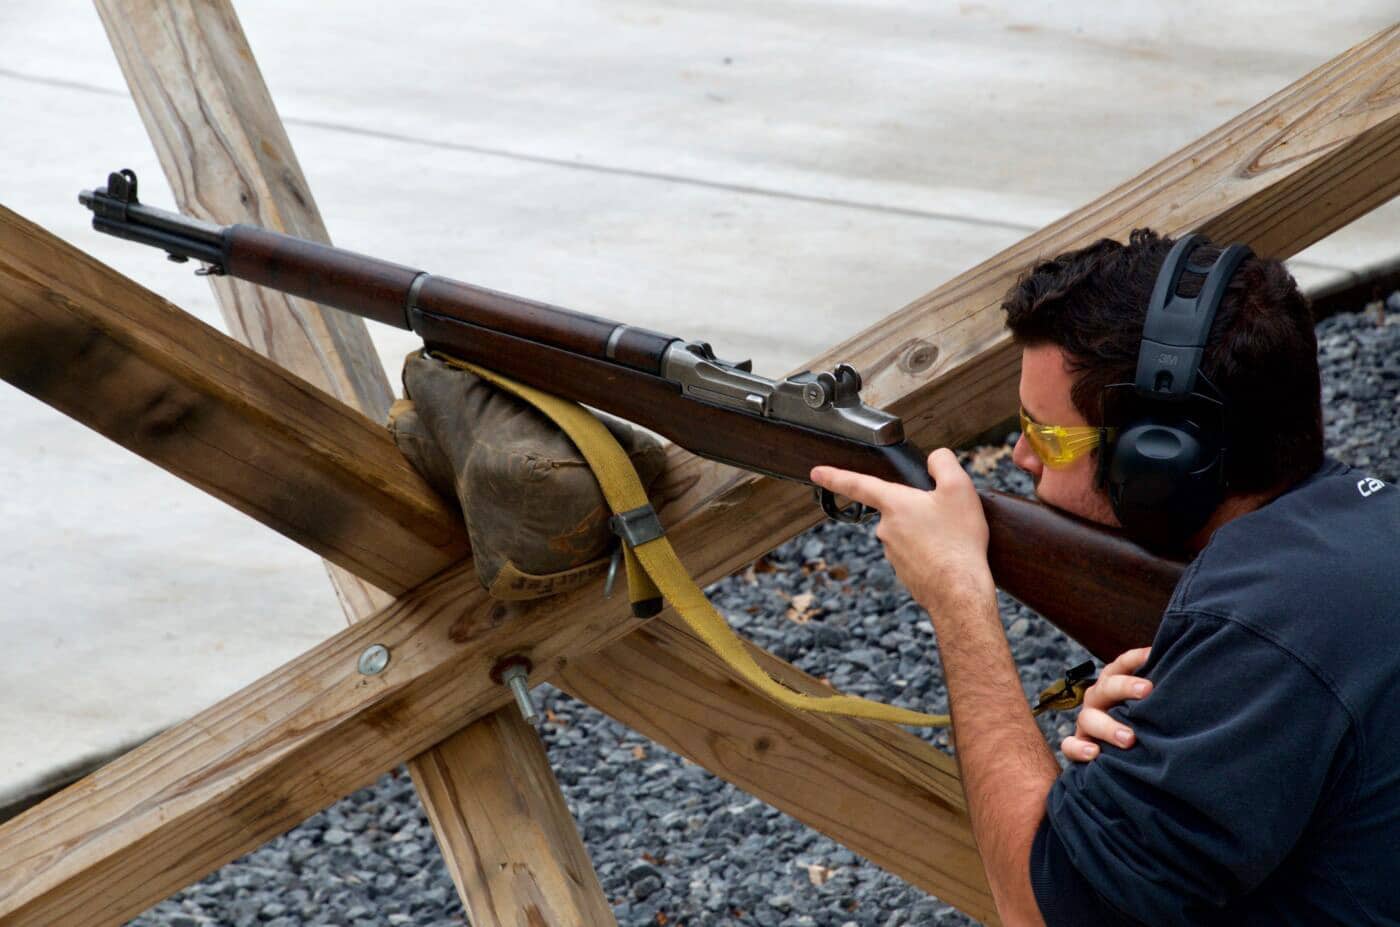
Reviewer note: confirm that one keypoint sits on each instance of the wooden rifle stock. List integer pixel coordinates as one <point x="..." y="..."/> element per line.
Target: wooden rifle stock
<point x="1094" y="584"/>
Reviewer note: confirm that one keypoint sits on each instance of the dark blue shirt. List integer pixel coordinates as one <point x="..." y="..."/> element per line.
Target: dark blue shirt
<point x="1264" y="787"/>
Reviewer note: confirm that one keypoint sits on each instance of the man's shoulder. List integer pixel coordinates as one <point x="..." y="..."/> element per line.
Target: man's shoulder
<point x="1261" y="776"/>
<point x="1334" y="538"/>
<point x="1315" y="572"/>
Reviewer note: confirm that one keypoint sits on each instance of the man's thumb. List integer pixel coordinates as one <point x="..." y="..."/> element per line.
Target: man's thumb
<point x="943" y="466"/>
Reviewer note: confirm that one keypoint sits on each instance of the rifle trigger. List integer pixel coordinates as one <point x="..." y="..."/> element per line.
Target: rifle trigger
<point x="857" y="513"/>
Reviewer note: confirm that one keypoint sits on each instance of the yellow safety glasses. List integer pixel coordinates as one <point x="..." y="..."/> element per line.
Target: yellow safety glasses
<point x="1058" y="446"/>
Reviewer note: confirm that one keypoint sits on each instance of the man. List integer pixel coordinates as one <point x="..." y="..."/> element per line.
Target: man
<point x="1251" y="774"/>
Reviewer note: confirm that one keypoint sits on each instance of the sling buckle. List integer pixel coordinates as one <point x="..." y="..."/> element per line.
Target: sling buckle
<point x="637" y="526"/>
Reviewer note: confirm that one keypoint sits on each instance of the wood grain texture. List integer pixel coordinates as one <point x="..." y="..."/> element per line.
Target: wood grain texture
<point x="124" y="362"/>
<point x="229" y="160"/>
<point x="227" y="156"/>
<point x="239" y="773"/>
<point x="878" y="789"/>
<point x="504" y="823"/>
<point x="371" y="288"/>
<point x="1098" y="587"/>
<point x="290" y="744"/>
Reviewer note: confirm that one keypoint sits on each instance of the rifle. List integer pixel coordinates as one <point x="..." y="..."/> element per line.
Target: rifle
<point x="1096" y="585"/>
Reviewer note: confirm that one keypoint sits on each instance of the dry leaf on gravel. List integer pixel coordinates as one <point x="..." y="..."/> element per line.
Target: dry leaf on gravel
<point x="985" y="459"/>
<point x="801" y="608"/>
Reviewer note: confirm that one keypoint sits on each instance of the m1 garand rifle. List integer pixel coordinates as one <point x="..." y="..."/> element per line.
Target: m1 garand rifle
<point x="1102" y="589"/>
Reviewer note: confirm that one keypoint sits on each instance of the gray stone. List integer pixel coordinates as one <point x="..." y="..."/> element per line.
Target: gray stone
<point x="645" y="887"/>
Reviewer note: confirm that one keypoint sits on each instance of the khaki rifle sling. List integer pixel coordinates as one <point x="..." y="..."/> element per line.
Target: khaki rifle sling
<point x="654" y="570"/>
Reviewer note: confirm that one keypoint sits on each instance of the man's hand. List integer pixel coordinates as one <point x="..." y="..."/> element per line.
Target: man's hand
<point x="936" y="541"/>
<point x="1116" y="684"/>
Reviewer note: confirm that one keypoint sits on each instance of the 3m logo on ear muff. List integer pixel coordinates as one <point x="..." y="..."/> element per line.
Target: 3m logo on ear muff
<point x="1369" y="486"/>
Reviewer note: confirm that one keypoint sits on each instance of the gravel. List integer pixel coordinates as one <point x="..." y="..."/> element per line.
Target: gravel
<point x="673" y="844"/>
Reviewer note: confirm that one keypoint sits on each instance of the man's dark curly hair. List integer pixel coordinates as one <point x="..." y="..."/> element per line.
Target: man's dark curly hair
<point x="1261" y="351"/>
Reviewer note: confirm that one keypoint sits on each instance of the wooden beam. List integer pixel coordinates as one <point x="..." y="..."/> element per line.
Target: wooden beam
<point x="156" y="819"/>
<point x="740" y="518"/>
<point x="518" y="855"/>
<point x="271" y="755"/>
<point x="227" y="156"/>
<point x="154" y="379"/>
<point x="883" y="792"/>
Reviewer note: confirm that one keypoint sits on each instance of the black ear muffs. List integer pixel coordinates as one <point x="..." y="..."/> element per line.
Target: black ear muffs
<point x="1164" y="470"/>
<point x="1164" y="481"/>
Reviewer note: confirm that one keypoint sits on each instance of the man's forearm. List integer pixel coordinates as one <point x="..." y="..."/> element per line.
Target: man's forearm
<point x="1007" y="768"/>
<point x="937" y="543"/>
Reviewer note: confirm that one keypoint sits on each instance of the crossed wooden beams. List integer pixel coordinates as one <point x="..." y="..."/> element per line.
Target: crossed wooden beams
<point x="289" y="449"/>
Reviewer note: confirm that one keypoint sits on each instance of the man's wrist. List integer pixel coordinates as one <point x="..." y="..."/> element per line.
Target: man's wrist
<point x="960" y="592"/>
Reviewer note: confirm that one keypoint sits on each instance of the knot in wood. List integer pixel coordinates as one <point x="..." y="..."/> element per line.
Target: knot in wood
<point x="917" y="356"/>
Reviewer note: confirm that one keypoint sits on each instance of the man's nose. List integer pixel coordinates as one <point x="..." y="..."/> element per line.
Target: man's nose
<point x="1025" y="458"/>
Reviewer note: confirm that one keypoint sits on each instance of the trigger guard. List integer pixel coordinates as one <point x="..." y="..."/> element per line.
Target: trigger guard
<point x="857" y="513"/>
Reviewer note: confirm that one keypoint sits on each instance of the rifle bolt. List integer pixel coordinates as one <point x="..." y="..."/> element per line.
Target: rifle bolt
<point x="373" y="660"/>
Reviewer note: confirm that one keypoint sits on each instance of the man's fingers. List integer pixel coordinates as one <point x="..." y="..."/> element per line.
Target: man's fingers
<point x="1078" y="749"/>
<point x="943" y="466"/>
<point x="859" y="487"/>
<point x="1098" y="725"/>
<point x="1111" y="690"/>
<point x="1129" y="661"/>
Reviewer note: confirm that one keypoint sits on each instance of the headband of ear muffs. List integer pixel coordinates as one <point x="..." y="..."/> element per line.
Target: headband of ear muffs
<point x="1164" y="471"/>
